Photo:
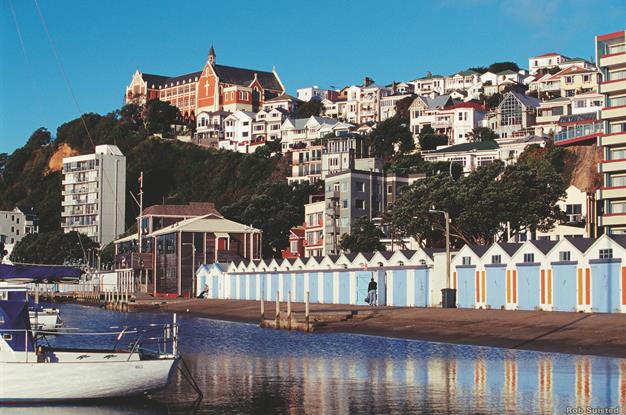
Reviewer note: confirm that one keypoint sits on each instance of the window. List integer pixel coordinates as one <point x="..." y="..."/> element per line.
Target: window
<point x="573" y="212"/>
<point x="529" y="257"/>
<point x="496" y="259"/>
<point x="586" y="78"/>
<point x="569" y="79"/>
<point x="606" y="253"/>
<point x="359" y="204"/>
<point x="345" y="204"/>
<point x="467" y="260"/>
<point x="565" y="256"/>
<point x="511" y="111"/>
<point x="294" y="247"/>
<point x="359" y="186"/>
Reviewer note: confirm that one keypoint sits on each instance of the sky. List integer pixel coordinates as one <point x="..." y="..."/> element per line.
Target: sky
<point x="101" y="43"/>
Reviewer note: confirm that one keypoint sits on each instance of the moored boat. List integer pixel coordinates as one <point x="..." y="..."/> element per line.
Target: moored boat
<point x="32" y="371"/>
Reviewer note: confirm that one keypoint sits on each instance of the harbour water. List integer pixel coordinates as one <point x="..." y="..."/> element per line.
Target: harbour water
<point x="242" y="368"/>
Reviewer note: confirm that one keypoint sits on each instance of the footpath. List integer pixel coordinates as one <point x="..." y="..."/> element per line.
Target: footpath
<point x="561" y="332"/>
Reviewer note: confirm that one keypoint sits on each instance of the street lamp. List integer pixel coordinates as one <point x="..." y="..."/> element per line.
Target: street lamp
<point x="448" y="294"/>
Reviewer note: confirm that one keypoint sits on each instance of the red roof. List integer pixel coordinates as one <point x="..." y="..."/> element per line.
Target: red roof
<point x="570" y="70"/>
<point x="611" y="35"/>
<point x="297" y="231"/>
<point x="474" y="105"/>
<point x="545" y="55"/>
<point x="190" y="210"/>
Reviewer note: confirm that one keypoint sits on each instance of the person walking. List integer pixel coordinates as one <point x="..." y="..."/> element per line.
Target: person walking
<point x="371" y="292"/>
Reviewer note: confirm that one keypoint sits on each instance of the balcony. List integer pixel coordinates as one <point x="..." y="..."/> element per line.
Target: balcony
<point x="612" y="219"/>
<point x="609" y="166"/>
<point x="615" y="85"/>
<point x="616" y="192"/>
<point x="614" y="138"/>
<point x="616" y="57"/>
<point x="577" y="133"/>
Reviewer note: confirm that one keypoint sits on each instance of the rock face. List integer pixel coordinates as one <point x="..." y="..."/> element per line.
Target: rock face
<point x="584" y="173"/>
<point x="56" y="160"/>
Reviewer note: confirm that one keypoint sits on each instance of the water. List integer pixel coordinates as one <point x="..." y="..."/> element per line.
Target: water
<point x="244" y="369"/>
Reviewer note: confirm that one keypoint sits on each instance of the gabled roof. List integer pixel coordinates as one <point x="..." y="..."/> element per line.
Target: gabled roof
<point x="543" y="245"/>
<point x="297" y="231"/>
<point x="432" y="251"/>
<point x="547" y="55"/>
<point x="192" y="209"/>
<point x="510" y="248"/>
<point x="479" y="249"/>
<point x="525" y="100"/>
<point x="507" y="72"/>
<point x="582" y="244"/>
<point x="210" y="223"/>
<point x="620" y="239"/>
<point x="474" y="105"/>
<point x="242" y="76"/>
<point x="156" y="80"/>
<point x="283" y="97"/>
<point x="440" y="101"/>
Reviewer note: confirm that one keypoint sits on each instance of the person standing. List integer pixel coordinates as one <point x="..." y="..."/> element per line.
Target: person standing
<point x="371" y="292"/>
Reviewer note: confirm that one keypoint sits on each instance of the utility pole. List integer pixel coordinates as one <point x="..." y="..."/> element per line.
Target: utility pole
<point x="140" y="209"/>
<point x="448" y="294"/>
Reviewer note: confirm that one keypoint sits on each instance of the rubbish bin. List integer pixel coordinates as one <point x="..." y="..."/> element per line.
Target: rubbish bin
<point x="448" y="298"/>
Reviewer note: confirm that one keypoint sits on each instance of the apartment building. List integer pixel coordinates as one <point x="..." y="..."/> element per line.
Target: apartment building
<point x="314" y="229"/>
<point x="347" y="152"/>
<point x="17" y="223"/>
<point x="306" y="164"/>
<point x="210" y="128"/>
<point x="94" y="194"/>
<point x="611" y="59"/>
<point x="238" y="133"/>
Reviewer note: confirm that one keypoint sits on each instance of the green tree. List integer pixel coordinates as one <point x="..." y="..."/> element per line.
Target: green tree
<point x="54" y="248"/>
<point x="402" y="107"/>
<point x="481" y="203"/>
<point x="107" y="255"/>
<point x="274" y="208"/>
<point x="432" y="141"/>
<point x="158" y="116"/>
<point x="482" y="134"/>
<point x="503" y="66"/>
<point x="391" y="137"/>
<point x="309" y="108"/>
<point x="364" y="237"/>
<point x="40" y="137"/>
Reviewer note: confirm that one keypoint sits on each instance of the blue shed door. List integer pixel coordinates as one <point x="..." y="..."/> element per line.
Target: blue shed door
<point x="328" y="287"/>
<point x="528" y="287"/>
<point x="564" y="287"/>
<point x="421" y="288"/>
<point x="496" y="287"/>
<point x="344" y="288"/>
<point x="252" y="295"/>
<point x="286" y="287"/>
<point x="362" y="281"/>
<point x="243" y="279"/>
<point x="313" y="286"/>
<point x="299" y="287"/>
<point x="466" y="287"/>
<point x="605" y="287"/>
<point x="399" y="288"/>
<point x="274" y="287"/>
<point x="214" y="291"/>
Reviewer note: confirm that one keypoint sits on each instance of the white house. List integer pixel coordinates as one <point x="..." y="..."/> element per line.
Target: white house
<point x="545" y="62"/>
<point x="238" y="133"/>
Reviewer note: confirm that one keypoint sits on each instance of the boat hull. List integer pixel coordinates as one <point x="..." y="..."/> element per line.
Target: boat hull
<point x="46" y="382"/>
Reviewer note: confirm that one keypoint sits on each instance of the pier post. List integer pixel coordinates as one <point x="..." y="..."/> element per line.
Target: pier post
<point x="277" y="309"/>
<point x="262" y="306"/>
<point x="306" y="312"/>
<point x="289" y="309"/>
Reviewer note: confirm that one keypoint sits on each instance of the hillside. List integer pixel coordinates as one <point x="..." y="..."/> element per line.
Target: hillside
<point x="174" y="172"/>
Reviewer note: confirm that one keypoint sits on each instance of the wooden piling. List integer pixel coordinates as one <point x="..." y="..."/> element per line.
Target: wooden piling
<point x="289" y="309"/>
<point x="277" y="309"/>
<point x="262" y="306"/>
<point x="306" y="313"/>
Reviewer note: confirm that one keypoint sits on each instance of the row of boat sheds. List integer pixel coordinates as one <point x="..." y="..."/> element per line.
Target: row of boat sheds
<point x="572" y="274"/>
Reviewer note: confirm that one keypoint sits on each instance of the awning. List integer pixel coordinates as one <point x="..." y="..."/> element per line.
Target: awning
<point x="38" y="273"/>
<point x="221" y="235"/>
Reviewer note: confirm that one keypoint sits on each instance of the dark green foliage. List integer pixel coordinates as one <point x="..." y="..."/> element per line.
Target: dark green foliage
<point x="482" y="134"/>
<point x="107" y="255"/>
<point x="391" y="137"/>
<point x="307" y="109"/>
<point x="40" y="137"/>
<point x="158" y="117"/>
<point x="502" y="66"/>
<point x="274" y="208"/>
<point x="365" y="237"/>
<point x="55" y="247"/>
<point x="431" y="141"/>
<point x="481" y="203"/>
<point x="402" y="107"/>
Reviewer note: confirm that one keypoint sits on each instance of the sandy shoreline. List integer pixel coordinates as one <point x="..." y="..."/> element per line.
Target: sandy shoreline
<point x="559" y="332"/>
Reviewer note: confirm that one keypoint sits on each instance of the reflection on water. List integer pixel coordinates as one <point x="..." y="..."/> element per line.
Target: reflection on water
<point x="242" y="368"/>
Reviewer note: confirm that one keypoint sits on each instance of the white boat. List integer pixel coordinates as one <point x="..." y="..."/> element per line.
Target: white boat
<point x="45" y="319"/>
<point x="33" y="372"/>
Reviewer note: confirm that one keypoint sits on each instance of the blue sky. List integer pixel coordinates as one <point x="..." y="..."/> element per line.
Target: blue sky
<point x="310" y="43"/>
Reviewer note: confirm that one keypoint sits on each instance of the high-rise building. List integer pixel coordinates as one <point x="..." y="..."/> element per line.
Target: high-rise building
<point x="611" y="59"/>
<point x="94" y="189"/>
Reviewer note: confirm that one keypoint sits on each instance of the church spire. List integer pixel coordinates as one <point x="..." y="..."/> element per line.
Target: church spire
<point x="212" y="56"/>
